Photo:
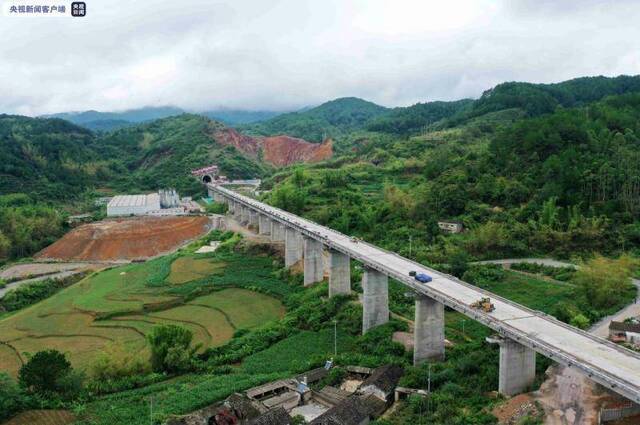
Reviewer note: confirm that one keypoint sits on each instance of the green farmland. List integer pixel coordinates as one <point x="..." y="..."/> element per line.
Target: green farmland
<point x="203" y="293"/>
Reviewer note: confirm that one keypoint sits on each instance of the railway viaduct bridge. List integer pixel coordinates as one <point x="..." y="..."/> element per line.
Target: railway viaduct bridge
<point x="521" y="331"/>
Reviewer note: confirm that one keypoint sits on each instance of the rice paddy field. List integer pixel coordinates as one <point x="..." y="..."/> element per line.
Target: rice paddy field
<point x="207" y="294"/>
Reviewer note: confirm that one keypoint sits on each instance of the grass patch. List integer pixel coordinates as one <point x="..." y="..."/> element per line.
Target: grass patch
<point x="186" y="269"/>
<point x="177" y="396"/>
<point x="534" y="293"/>
<point x="123" y="303"/>
<point x="298" y="352"/>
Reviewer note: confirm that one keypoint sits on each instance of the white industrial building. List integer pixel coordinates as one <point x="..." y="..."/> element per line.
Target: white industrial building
<point x="133" y="204"/>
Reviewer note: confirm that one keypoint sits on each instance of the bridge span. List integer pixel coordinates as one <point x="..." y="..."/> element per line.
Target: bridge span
<point x="522" y="331"/>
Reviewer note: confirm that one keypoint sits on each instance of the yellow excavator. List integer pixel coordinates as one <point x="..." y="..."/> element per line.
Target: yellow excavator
<point x="484" y="304"/>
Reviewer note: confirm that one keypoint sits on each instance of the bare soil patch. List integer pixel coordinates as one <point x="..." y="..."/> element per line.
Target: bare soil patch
<point x="43" y="417"/>
<point x="126" y="239"/>
<point x="515" y="409"/>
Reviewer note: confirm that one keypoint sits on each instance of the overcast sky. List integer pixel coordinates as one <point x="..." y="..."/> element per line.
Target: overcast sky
<point x="271" y="54"/>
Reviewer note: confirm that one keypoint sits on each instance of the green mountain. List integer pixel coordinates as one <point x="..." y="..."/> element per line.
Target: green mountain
<point x="538" y="99"/>
<point x="54" y="159"/>
<point x="107" y="121"/>
<point x="163" y="152"/>
<point x="329" y="120"/>
<point x="238" y="116"/>
<point x="47" y="158"/>
<point x="564" y="183"/>
<point x="416" y="118"/>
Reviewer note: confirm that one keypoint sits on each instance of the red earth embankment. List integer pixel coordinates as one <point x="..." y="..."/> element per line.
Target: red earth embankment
<point x="125" y="239"/>
<point x="277" y="150"/>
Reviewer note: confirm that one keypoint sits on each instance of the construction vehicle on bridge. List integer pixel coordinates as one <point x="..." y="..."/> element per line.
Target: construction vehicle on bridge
<point x="484" y="304"/>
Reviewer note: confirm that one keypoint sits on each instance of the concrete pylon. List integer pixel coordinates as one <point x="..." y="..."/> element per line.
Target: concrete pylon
<point x="237" y="212"/>
<point x="254" y="219"/>
<point x="277" y="231"/>
<point x="313" y="261"/>
<point x="429" y="330"/>
<point x="264" y="227"/>
<point x="232" y="206"/>
<point x="292" y="247"/>
<point x="246" y="216"/>
<point x="375" y="299"/>
<point x="339" y="273"/>
<point x="517" y="366"/>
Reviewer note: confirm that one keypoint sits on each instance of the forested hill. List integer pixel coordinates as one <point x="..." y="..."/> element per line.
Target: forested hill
<point x="416" y="118"/>
<point x="538" y="99"/>
<point x="53" y="159"/>
<point x="162" y="154"/>
<point x="48" y="158"/>
<point x="563" y="184"/>
<point x="107" y="121"/>
<point x="329" y="120"/>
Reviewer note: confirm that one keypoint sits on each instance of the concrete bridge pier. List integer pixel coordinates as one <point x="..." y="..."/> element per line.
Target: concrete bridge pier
<point x="375" y="299"/>
<point x="254" y="219"/>
<point x="339" y="273"/>
<point x="292" y="247"/>
<point x="429" y="330"/>
<point x="313" y="261"/>
<point x="246" y="216"/>
<point x="517" y="366"/>
<point x="210" y="192"/>
<point x="232" y="206"/>
<point x="237" y="212"/>
<point x="277" y="231"/>
<point x="264" y="226"/>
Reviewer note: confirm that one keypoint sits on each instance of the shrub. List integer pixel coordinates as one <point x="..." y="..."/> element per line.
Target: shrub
<point x="171" y="349"/>
<point x="31" y="293"/>
<point x="482" y="275"/>
<point x="579" y="321"/>
<point x="12" y="399"/>
<point x="116" y="362"/>
<point x="48" y="372"/>
<point x="603" y="281"/>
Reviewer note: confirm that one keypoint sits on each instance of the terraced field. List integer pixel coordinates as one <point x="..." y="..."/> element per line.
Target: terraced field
<point x="122" y="304"/>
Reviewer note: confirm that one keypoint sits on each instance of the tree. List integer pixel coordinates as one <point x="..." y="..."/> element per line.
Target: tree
<point x="170" y="348"/>
<point x="11" y="398"/>
<point x="603" y="280"/>
<point x="579" y="321"/>
<point x="43" y="372"/>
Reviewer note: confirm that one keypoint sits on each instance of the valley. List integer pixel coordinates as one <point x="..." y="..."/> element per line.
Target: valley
<point x="385" y="176"/>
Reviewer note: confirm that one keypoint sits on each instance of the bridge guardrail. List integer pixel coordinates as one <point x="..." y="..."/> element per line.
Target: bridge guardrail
<point x="500" y="326"/>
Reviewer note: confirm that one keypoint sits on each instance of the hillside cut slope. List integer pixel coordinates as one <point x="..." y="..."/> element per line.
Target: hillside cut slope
<point x="276" y="150"/>
<point x="125" y="239"/>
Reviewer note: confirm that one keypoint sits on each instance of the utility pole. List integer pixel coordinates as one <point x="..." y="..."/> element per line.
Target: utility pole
<point x="429" y="391"/>
<point x="335" y="339"/>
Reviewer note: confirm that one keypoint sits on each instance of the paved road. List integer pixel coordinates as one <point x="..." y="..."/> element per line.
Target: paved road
<point x="604" y="361"/>
<point x="13" y="285"/>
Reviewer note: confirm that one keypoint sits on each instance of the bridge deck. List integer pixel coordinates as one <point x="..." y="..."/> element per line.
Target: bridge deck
<point x="611" y="365"/>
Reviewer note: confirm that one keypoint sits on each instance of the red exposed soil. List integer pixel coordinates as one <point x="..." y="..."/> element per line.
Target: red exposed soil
<point x="512" y="411"/>
<point x="125" y="239"/>
<point x="277" y="150"/>
<point x="285" y="150"/>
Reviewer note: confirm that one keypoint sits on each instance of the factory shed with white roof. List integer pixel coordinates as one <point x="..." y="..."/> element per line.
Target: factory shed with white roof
<point x="123" y="205"/>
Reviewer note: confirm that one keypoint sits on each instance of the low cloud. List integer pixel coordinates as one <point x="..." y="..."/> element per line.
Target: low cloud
<point x="255" y="54"/>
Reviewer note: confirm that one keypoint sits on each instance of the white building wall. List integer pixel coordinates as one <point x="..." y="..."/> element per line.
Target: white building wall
<point x="124" y="205"/>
